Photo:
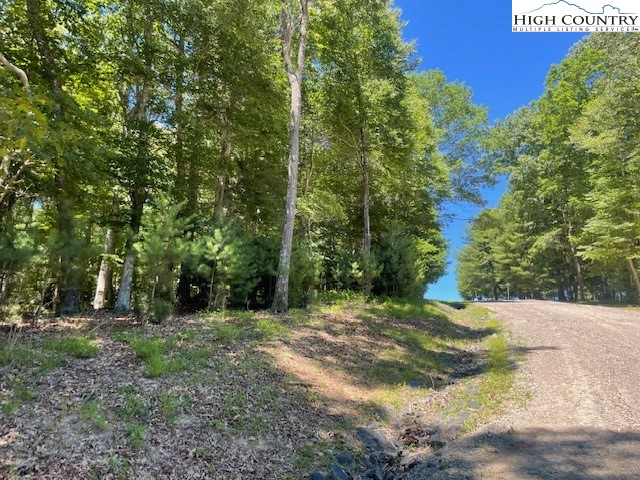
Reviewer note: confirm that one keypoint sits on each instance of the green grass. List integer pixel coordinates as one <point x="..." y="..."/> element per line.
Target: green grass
<point x="136" y="434"/>
<point x="78" y="347"/>
<point x="306" y="457"/>
<point x="134" y="406"/>
<point x="91" y="413"/>
<point x="172" y="404"/>
<point x="31" y="355"/>
<point x="477" y="400"/>
<point x="270" y="329"/>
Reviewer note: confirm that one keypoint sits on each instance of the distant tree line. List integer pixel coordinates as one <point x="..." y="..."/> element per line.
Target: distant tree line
<point x="144" y="146"/>
<point x="569" y="226"/>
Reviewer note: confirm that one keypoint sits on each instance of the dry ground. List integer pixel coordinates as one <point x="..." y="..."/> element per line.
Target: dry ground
<point x="582" y="365"/>
<point x="240" y="395"/>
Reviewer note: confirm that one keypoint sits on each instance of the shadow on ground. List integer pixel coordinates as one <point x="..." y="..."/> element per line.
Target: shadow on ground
<point x="573" y="454"/>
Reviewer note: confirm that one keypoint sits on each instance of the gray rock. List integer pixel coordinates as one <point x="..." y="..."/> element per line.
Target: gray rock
<point x="338" y="472"/>
<point x="374" y="440"/>
<point x="317" y="476"/>
<point x="436" y="444"/>
<point x="344" y="459"/>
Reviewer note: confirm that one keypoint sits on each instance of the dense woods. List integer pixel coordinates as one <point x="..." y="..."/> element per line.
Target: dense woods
<point x="569" y="226"/>
<point x="147" y="149"/>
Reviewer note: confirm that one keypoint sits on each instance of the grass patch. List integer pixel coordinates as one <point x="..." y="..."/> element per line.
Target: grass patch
<point x="133" y="405"/>
<point x="306" y="457"/>
<point x="78" y="347"/>
<point x="405" y="310"/>
<point x="136" y="434"/>
<point x="171" y="405"/>
<point x="32" y="354"/>
<point x="91" y="413"/>
<point x="477" y="400"/>
<point x="270" y="329"/>
<point x="228" y="333"/>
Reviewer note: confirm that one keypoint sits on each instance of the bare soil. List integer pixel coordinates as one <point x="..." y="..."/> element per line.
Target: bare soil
<point x="582" y="366"/>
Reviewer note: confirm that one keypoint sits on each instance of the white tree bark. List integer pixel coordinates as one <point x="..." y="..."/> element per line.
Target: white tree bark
<point x="123" y="303"/>
<point x="104" y="284"/>
<point x="16" y="71"/>
<point x="281" y="298"/>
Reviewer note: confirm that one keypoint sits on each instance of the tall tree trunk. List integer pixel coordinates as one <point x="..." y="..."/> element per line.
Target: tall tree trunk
<point x="104" y="284"/>
<point x="307" y="182"/>
<point x="281" y="297"/>
<point x="68" y="273"/>
<point x="139" y="193"/>
<point x="561" y="295"/>
<point x="366" y="200"/>
<point x="579" y="276"/>
<point x="634" y="273"/>
<point x="222" y="178"/>
<point x="123" y="302"/>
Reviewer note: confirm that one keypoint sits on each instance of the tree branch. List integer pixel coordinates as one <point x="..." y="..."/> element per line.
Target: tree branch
<point x="304" y="7"/>
<point x="16" y="71"/>
<point x="285" y="23"/>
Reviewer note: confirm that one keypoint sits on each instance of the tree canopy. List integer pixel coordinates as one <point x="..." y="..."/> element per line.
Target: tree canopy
<point x="569" y="226"/>
<point x="144" y="153"/>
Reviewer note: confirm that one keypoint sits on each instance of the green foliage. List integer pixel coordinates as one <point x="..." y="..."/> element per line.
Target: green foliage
<point x="568" y="228"/>
<point x="306" y="267"/>
<point x="79" y="347"/>
<point x="161" y="250"/>
<point x="167" y="125"/>
<point x="405" y="264"/>
<point x="227" y="262"/>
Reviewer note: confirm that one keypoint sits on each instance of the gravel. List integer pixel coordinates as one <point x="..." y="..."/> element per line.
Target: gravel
<point x="582" y="367"/>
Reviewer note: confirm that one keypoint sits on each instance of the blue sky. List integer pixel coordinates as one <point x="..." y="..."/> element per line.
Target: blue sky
<point x="472" y="42"/>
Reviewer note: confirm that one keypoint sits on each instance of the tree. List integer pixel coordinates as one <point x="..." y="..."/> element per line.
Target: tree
<point x="294" y="75"/>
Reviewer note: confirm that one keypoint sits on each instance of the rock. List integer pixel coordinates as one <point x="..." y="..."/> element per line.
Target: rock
<point x="317" y="476"/>
<point x="374" y="475"/>
<point x="436" y="444"/>
<point x="409" y="462"/>
<point x="416" y="383"/>
<point x="338" y="472"/>
<point x="374" y="440"/>
<point x="344" y="459"/>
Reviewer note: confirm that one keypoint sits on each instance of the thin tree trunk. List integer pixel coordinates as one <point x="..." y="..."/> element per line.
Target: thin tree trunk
<point x="561" y="295"/>
<point x="104" y="285"/>
<point x="222" y="179"/>
<point x="139" y="193"/>
<point x="123" y="302"/>
<point x="579" y="275"/>
<point x="16" y="71"/>
<point x="69" y="301"/>
<point x="366" y="240"/>
<point x="634" y="273"/>
<point x="281" y="297"/>
<point x="366" y="200"/>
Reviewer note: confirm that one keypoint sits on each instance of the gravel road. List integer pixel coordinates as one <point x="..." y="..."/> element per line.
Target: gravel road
<point x="582" y="366"/>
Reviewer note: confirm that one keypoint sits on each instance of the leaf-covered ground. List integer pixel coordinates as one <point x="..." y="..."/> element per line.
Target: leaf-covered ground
<point x="240" y="395"/>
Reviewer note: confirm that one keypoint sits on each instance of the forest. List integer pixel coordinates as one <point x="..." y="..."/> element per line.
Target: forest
<point x="165" y="156"/>
<point x="568" y="227"/>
